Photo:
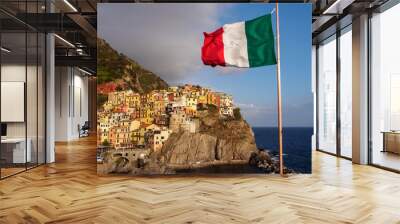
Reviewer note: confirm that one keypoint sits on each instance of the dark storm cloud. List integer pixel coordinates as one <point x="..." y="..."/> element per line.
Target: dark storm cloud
<point x="168" y="42"/>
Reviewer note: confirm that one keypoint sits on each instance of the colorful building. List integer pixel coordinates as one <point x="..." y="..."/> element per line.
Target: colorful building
<point x="130" y="120"/>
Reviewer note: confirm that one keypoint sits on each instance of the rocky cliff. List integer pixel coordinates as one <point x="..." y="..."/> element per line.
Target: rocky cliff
<point x="218" y="141"/>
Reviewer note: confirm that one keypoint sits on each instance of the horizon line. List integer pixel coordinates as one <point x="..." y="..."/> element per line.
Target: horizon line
<point x="283" y="126"/>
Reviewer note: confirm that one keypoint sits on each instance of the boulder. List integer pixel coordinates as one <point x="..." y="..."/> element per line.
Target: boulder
<point x="262" y="159"/>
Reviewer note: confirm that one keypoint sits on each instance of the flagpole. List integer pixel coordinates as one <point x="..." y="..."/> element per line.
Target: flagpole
<point x="278" y="77"/>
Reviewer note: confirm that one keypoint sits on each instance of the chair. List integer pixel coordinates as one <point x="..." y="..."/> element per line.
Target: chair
<point x="84" y="130"/>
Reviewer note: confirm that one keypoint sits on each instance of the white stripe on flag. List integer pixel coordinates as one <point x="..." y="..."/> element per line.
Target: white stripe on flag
<point x="235" y="45"/>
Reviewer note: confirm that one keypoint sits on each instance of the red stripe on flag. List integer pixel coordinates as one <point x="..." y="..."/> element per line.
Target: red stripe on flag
<point x="212" y="52"/>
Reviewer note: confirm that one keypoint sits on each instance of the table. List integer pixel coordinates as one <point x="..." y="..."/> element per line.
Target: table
<point x="13" y="150"/>
<point x="391" y="141"/>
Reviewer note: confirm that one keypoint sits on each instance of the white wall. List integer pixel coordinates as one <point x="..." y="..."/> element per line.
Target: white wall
<point x="33" y="126"/>
<point x="71" y="103"/>
<point x="12" y="73"/>
<point x="61" y="105"/>
<point x="80" y="110"/>
<point x="16" y="73"/>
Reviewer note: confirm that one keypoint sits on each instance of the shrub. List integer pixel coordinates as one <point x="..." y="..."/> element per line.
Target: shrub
<point x="237" y="114"/>
<point x="212" y="108"/>
<point x="101" y="99"/>
<point x="105" y="143"/>
<point x="119" y="88"/>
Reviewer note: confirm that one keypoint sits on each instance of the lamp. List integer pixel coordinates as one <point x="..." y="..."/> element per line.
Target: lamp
<point x="70" y="5"/>
<point x="5" y="50"/>
<point x="64" y="40"/>
<point x="84" y="71"/>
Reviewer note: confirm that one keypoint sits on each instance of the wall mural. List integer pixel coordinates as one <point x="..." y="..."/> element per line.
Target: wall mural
<point x="162" y="111"/>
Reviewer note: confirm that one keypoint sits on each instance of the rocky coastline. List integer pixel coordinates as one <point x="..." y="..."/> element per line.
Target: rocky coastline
<point x="260" y="161"/>
<point x="220" y="145"/>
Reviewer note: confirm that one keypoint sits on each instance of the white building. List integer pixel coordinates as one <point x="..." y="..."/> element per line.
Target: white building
<point x="226" y="104"/>
<point x="180" y="121"/>
<point x="158" y="139"/>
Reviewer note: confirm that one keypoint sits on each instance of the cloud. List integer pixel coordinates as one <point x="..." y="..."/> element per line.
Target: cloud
<point x="229" y="70"/>
<point x="300" y="115"/>
<point x="252" y="107"/>
<point x="164" y="38"/>
<point x="245" y="105"/>
<point x="258" y="115"/>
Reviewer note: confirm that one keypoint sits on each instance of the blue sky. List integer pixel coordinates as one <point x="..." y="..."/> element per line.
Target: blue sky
<point x="167" y="39"/>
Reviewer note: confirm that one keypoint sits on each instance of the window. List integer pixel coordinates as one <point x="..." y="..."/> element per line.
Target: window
<point x="394" y="102"/>
<point x="385" y="89"/>
<point x="334" y="93"/>
<point x="346" y="92"/>
<point x="327" y="95"/>
<point x="22" y="64"/>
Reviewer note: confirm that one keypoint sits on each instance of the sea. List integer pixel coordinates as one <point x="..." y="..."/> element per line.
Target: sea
<point x="296" y="145"/>
<point x="296" y="151"/>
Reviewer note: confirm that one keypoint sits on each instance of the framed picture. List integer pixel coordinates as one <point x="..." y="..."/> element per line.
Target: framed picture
<point x="191" y="88"/>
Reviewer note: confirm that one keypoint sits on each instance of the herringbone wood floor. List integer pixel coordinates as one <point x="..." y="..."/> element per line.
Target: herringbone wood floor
<point x="70" y="191"/>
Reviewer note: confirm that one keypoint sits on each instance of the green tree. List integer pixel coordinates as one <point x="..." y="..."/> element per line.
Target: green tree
<point x="105" y="143"/>
<point x="101" y="99"/>
<point x="212" y="108"/>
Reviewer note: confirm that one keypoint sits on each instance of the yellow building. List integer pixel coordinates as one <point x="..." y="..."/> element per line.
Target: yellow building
<point x="103" y="128"/>
<point x="146" y="115"/>
<point x="120" y="136"/>
<point x="202" y="99"/>
<point x="134" y="125"/>
<point x="133" y="100"/>
<point x="213" y="98"/>
<point x="152" y="127"/>
<point x="159" y="107"/>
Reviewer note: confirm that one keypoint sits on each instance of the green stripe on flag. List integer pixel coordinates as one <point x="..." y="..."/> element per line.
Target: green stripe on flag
<point x="260" y="41"/>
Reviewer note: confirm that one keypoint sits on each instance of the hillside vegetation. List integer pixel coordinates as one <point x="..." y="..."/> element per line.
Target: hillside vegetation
<point x="119" y="71"/>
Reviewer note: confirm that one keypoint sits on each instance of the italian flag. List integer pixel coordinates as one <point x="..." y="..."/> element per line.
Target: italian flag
<point x="242" y="44"/>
